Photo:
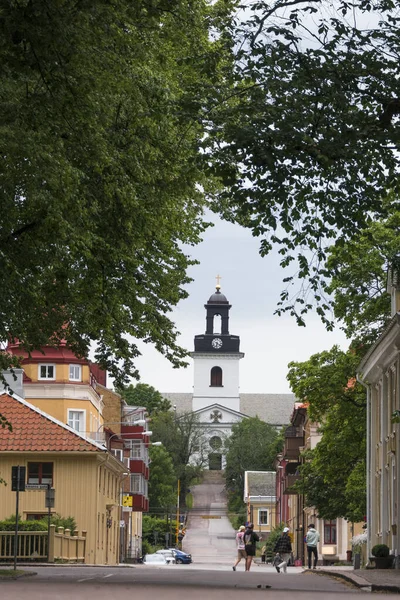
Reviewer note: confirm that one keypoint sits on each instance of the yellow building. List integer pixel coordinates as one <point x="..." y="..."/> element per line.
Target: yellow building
<point x="260" y="498"/>
<point x="86" y="478"/>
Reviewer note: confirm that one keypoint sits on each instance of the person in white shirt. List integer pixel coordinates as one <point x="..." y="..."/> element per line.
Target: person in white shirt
<point x="241" y="552"/>
<point x="312" y="539"/>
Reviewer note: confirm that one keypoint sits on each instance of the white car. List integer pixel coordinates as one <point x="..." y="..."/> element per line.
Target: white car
<point x="169" y="556"/>
<point x="158" y="559"/>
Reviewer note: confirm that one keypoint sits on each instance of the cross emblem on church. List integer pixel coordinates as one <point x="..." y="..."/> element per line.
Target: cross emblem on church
<point x="216" y="416"/>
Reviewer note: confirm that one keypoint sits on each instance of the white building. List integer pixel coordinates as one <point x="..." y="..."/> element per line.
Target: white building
<point x="216" y="396"/>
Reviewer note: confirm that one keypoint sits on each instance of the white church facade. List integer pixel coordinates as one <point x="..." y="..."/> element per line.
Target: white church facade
<point x="216" y="397"/>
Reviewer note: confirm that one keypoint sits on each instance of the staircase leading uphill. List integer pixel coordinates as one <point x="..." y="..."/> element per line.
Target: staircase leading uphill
<point x="217" y="477"/>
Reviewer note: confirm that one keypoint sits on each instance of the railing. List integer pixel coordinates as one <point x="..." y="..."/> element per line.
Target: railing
<point x="292" y="447"/>
<point x="33" y="546"/>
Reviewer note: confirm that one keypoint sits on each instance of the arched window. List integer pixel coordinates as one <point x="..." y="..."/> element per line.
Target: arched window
<point x="217" y="324"/>
<point x="216" y="377"/>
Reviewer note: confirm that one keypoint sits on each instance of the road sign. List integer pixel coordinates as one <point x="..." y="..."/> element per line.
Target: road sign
<point x="50" y="498"/>
<point x="127" y="501"/>
<point x="36" y="486"/>
<point x="18" y="479"/>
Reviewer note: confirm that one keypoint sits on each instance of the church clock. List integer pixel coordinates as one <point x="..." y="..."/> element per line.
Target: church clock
<point x="216" y="343"/>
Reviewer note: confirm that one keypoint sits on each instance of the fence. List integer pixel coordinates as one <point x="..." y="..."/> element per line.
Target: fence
<point x="38" y="546"/>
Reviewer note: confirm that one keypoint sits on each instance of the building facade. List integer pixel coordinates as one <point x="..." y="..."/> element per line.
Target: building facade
<point x="216" y="397"/>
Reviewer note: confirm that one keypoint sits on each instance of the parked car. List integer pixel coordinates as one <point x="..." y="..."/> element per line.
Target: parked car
<point x="158" y="559"/>
<point x="168" y="554"/>
<point x="182" y="558"/>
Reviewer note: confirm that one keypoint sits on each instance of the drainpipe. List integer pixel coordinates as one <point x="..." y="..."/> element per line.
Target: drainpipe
<point x="369" y="508"/>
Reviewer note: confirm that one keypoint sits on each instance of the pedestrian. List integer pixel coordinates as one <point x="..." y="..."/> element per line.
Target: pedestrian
<point x="241" y="552"/>
<point x="264" y="554"/>
<point x="312" y="539"/>
<point x="283" y="546"/>
<point x="277" y="561"/>
<point x="250" y="539"/>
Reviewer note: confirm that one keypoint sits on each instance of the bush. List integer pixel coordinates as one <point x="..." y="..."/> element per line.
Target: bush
<point x="380" y="550"/>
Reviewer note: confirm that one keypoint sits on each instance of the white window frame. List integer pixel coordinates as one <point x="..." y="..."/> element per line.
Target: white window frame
<point x="82" y="419"/>
<point x="47" y="365"/>
<point x="118" y="453"/>
<point x="138" y="484"/>
<point x="73" y="367"/>
<point x="263" y="510"/>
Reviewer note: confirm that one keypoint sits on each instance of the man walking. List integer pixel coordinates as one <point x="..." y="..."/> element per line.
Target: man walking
<point x="312" y="539"/>
<point x="283" y="547"/>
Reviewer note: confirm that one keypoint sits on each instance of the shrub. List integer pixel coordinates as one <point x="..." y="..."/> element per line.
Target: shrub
<point x="380" y="550"/>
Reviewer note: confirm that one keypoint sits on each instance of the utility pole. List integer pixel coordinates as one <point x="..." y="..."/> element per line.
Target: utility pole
<point x="177" y="515"/>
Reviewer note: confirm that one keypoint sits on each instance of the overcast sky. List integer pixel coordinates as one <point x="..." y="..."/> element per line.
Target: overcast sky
<point x="252" y="285"/>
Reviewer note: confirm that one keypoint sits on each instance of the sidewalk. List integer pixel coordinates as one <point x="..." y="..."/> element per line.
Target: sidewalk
<point x="369" y="580"/>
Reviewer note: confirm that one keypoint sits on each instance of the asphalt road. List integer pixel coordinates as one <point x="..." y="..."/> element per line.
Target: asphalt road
<point x="98" y="583"/>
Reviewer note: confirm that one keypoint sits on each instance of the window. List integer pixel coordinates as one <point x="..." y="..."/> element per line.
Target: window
<point x="215" y="442"/>
<point x="138" y="484"/>
<point x="40" y="473"/>
<point x="75" y="373"/>
<point x="76" y="419"/>
<point x="263" y="516"/>
<point x="216" y="377"/>
<point x="47" y="371"/>
<point x="35" y="516"/>
<point x="330" y="532"/>
<point x="118" y="454"/>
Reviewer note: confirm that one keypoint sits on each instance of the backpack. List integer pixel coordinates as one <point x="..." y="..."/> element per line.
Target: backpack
<point x="248" y="538"/>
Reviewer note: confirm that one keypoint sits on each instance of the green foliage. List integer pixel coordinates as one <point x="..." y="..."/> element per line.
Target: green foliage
<point x="276" y="532"/>
<point x="183" y="438"/>
<point x="142" y="394"/>
<point x="104" y="108"/>
<point x="333" y="474"/>
<point x="306" y="143"/>
<point x="251" y="447"/>
<point x="359" y="270"/>
<point x="380" y="550"/>
<point x="9" y="525"/>
<point x="154" y="530"/>
<point x="162" y="482"/>
<point x="59" y="521"/>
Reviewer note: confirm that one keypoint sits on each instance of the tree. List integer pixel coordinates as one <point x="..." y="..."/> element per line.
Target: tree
<point x="146" y="395"/>
<point x="307" y="141"/>
<point x="184" y="439"/>
<point x="102" y="178"/>
<point x="162" y="481"/>
<point x="252" y="446"/>
<point x="333" y="474"/>
<point x="359" y="270"/>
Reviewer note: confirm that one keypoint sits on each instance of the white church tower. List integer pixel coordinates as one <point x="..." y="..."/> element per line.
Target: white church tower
<point x="216" y="359"/>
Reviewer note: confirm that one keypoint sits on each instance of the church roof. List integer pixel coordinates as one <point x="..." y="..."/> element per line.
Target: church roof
<point x="275" y="409"/>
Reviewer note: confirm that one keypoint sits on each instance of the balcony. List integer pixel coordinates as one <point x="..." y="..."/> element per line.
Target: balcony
<point x="291" y="449"/>
<point x="288" y="483"/>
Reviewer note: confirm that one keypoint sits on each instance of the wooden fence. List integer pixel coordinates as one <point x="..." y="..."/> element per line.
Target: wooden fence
<point x="38" y="546"/>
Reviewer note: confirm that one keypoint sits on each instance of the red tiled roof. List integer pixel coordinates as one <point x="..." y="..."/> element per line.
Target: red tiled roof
<point x="33" y="431"/>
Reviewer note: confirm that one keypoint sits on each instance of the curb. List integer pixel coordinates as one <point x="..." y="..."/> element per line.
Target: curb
<point x="17" y="576"/>
<point x="360" y="582"/>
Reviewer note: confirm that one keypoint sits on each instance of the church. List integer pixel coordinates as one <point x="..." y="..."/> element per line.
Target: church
<point x="216" y="397"/>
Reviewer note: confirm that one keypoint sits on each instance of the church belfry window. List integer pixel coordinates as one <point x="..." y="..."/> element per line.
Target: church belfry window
<point x="216" y="377"/>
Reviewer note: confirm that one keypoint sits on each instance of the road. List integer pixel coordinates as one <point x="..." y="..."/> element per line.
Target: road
<point x="211" y="541"/>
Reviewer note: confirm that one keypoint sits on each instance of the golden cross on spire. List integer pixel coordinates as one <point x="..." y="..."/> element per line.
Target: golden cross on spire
<point x="218" y="278"/>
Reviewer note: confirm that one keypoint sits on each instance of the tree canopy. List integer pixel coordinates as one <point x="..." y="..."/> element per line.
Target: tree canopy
<point x="252" y="446"/>
<point x="333" y="474"/>
<point x="307" y="141"/>
<point x="145" y="395"/>
<point x="102" y="182"/>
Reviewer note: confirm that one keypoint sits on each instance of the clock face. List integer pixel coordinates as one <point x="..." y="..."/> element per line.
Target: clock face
<point x="216" y="343"/>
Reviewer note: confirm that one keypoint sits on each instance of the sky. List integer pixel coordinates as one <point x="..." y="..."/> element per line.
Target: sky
<point x="252" y="285"/>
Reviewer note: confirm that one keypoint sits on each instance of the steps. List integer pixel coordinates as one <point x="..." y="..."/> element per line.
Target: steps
<point x="217" y="477"/>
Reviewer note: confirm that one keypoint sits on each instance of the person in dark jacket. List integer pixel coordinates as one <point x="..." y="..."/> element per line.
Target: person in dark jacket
<point x="283" y="546"/>
<point x="250" y="539"/>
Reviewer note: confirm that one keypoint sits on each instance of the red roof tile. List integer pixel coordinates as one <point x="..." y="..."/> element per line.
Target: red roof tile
<point x="34" y="431"/>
